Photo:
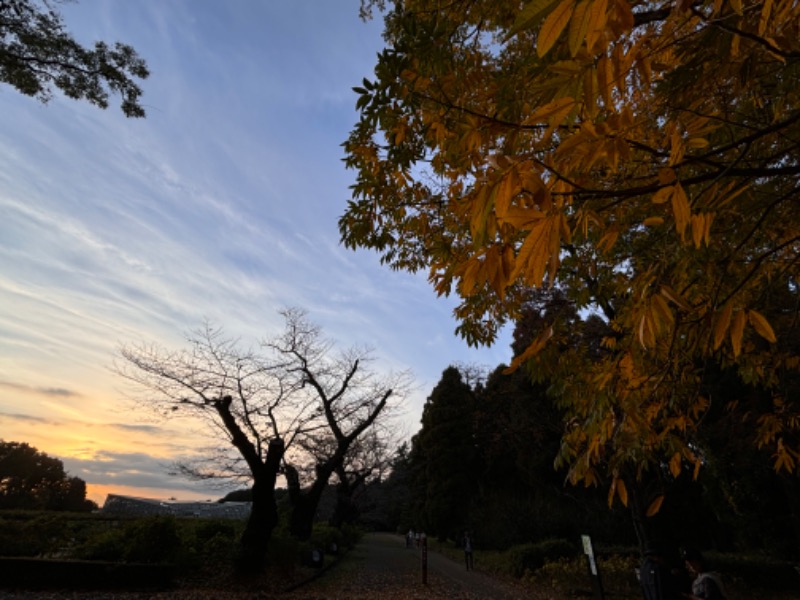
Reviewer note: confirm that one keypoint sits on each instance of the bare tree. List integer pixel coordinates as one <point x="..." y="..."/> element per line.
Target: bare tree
<point x="268" y="405"/>
<point x="352" y="399"/>
<point x="369" y="460"/>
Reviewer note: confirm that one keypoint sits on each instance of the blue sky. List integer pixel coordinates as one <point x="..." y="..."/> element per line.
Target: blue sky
<point x="222" y="204"/>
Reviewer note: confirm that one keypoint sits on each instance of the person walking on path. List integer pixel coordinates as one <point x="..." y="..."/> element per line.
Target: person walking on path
<point x="657" y="579"/>
<point x="468" y="551"/>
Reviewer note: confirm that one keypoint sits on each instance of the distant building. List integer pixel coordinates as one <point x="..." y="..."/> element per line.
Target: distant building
<point x="129" y="506"/>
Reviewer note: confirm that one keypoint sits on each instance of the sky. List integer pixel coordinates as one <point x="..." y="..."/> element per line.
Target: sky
<point x="221" y="205"/>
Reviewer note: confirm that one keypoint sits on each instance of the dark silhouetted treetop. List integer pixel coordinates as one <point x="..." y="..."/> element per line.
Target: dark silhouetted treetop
<point x="37" y="54"/>
<point x="32" y="480"/>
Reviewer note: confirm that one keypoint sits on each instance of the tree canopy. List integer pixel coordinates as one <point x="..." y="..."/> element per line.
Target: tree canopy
<point x="642" y="157"/>
<point x="37" y="54"/>
<point x="31" y="479"/>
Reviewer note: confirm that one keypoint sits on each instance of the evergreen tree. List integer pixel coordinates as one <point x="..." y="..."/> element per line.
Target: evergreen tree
<point x="446" y="446"/>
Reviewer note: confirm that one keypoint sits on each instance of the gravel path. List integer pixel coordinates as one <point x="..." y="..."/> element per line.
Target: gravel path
<point x="382" y="567"/>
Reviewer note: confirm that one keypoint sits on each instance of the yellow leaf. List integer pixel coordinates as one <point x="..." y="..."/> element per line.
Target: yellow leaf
<point x="677" y="147"/>
<point x="652" y="221"/>
<point x="469" y="280"/>
<point x="481" y="206"/>
<point x="605" y="78"/>
<point x="508" y="261"/>
<point x="661" y="310"/>
<point x="707" y="232"/>
<point x="624" y="15"/>
<point x="722" y="324"/>
<point x="553" y="25"/>
<point x="734" y="50"/>
<point x="645" y="332"/>
<point x="622" y="492"/>
<point x="766" y="10"/>
<point x="698" y="229"/>
<point x="783" y="459"/>
<point x="530" y="15"/>
<point x="531" y="351"/>
<point x="578" y="26"/>
<point x="494" y="270"/>
<point x="681" y="209"/>
<point x="590" y="93"/>
<point x="737" y="332"/>
<point x="736" y="5"/>
<point x="611" y="492"/>
<point x="761" y="325"/>
<point x="662" y="195"/>
<point x="697" y="464"/>
<point x="588" y="130"/>
<point x="697" y="143"/>
<point x="675" y="464"/>
<point x="551" y="110"/>
<point x="605" y="243"/>
<point x="507" y="189"/>
<point x="521" y="218"/>
<point x="597" y="23"/>
<point x="655" y="506"/>
<point x="534" y="255"/>
<point x="674" y="297"/>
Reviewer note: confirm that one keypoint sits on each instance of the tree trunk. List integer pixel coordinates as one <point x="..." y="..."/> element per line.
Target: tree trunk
<point x="343" y="508"/>
<point x="301" y="523"/>
<point x="263" y="512"/>
<point x="638" y="514"/>
<point x="305" y="502"/>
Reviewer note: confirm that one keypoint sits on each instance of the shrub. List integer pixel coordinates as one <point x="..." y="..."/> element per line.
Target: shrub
<point x="107" y="545"/>
<point x="153" y="540"/>
<point x="32" y="535"/>
<point x="527" y="558"/>
<point x="351" y="534"/>
<point x="325" y="536"/>
<point x="617" y="574"/>
<point x="206" y="530"/>
<point x="148" y="540"/>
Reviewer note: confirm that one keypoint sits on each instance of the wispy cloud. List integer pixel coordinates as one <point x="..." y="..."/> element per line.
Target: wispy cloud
<point x="41" y="391"/>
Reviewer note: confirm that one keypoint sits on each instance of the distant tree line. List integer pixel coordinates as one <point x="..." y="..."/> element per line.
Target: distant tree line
<point x="32" y="480"/>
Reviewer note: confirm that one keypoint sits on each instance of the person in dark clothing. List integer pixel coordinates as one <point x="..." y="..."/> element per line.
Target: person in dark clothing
<point x="656" y="578"/>
<point x="707" y="585"/>
<point x="468" y="551"/>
